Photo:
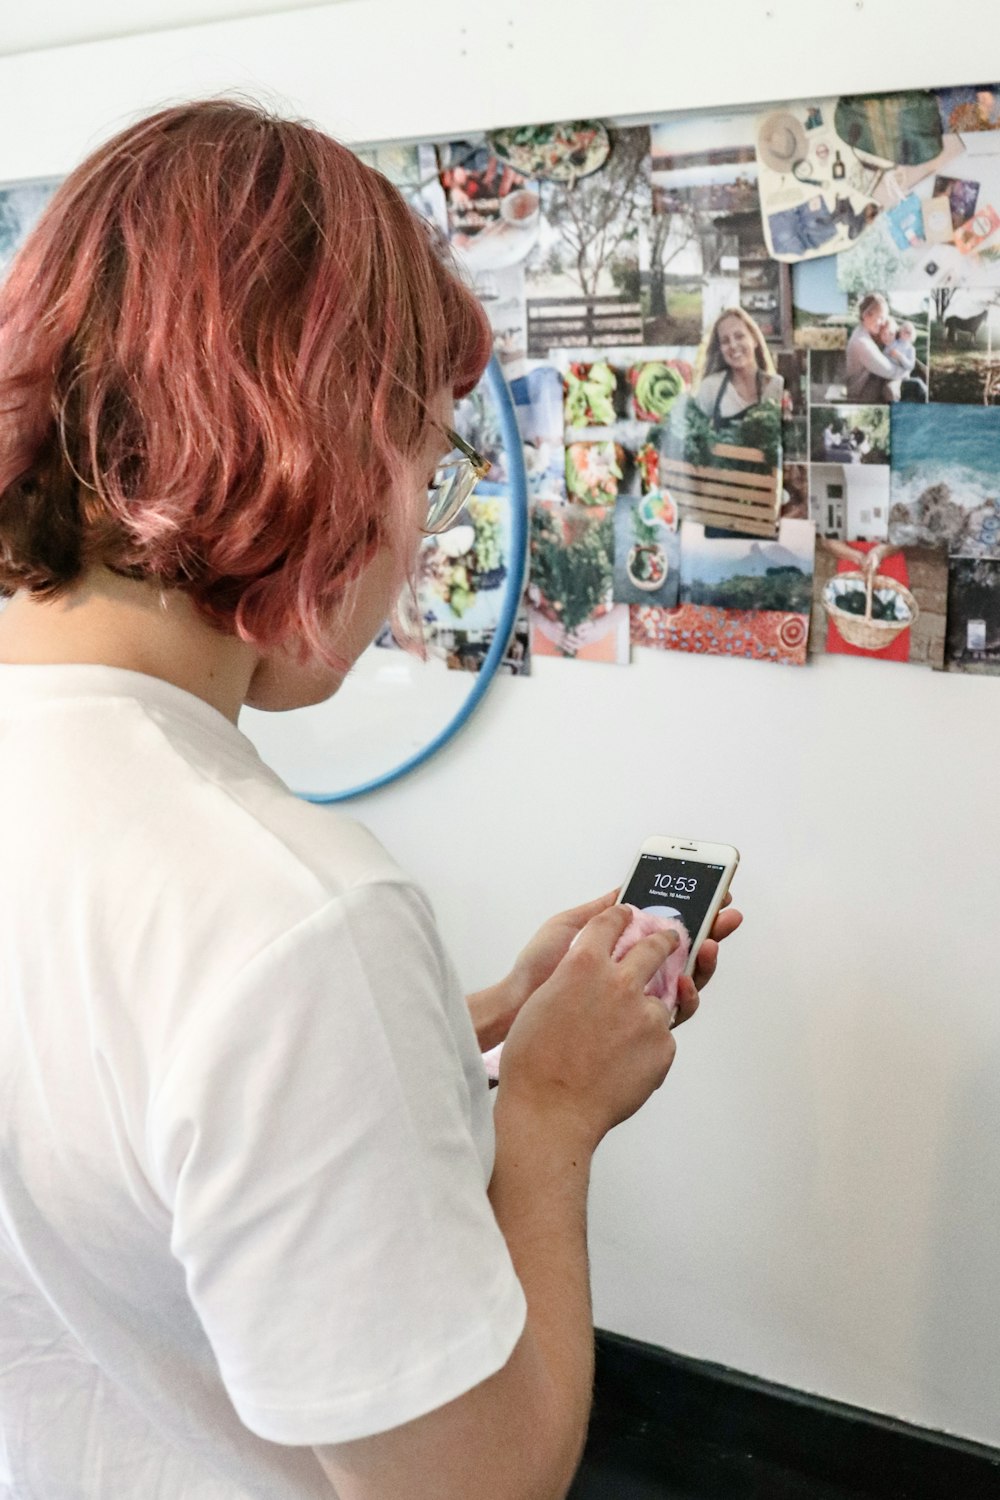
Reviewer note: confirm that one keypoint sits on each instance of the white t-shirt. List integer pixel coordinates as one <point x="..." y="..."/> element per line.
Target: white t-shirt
<point x="245" y="1131"/>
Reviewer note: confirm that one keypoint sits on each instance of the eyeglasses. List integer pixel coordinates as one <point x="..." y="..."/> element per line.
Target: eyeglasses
<point x="454" y="480"/>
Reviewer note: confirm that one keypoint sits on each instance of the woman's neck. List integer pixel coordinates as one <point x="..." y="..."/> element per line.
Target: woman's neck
<point x="115" y="622"/>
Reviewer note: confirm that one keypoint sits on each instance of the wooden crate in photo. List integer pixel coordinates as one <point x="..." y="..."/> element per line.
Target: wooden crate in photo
<point x="724" y="496"/>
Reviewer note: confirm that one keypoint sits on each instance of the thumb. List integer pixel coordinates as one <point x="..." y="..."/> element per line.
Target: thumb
<point x="603" y="931"/>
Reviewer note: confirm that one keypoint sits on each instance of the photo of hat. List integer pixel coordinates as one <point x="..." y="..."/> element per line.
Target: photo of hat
<point x="781" y="141"/>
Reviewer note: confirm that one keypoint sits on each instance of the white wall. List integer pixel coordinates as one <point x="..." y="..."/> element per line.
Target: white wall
<point x="814" y="1196"/>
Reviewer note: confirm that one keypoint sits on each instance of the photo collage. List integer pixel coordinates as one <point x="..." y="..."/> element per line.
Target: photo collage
<point x="754" y="359"/>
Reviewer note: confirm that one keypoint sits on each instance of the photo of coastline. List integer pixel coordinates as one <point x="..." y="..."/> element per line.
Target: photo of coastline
<point x="946" y="478"/>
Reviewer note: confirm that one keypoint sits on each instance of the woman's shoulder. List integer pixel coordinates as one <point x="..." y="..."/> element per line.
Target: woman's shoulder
<point x="708" y="389"/>
<point x="772" y="387"/>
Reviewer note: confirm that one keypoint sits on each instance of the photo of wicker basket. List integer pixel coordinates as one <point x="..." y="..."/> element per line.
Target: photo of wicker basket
<point x="862" y="631"/>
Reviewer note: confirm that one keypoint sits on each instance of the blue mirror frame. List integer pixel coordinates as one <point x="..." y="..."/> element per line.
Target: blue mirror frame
<point x="517" y="489"/>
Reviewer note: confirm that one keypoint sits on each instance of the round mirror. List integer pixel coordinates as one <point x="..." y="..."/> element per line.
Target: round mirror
<point x="394" y="710"/>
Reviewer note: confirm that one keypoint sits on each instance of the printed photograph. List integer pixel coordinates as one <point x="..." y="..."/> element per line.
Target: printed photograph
<point x="970" y="109"/>
<point x="477" y="419"/>
<point x="962" y="198"/>
<point x="946" y="479"/>
<point x="571" y="585"/>
<point x="467" y="650"/>
<point x="582" y="278"/>
<point x="746" y="574"/>
<point x="20" y="209"/>
<point x="915" y="244"/>
<point x="872" y="599"/>
<point x="611" y="408"/>
<point x="595" y="394"/>
<point x="822" y="318"/>
<point x="720" y="446"/>
<point x="597" y="473"/>
<point x="501" y="293"/>
<point x="538" y="406"/>
<point x="705" y="243"/>
<point x="793" y="367"/>
<point x="707" y="162"/>
<point x="462" y="571"/>
<point x="757" y="635"/>
<point x="414" y="170"/>
<point x="622" y="392"/>
<point x="684" y="266"/>
<point x="658" y="381"/>
<point x="850" y="502"/>
<point x="565" y="150"/>
<point x="905" y="221"/>
<point x="885" y="358"/>
<point x="493" y="212"/>
<point x="965" y="346"/>
<point x="814" y="201"/>
<point x="973" y="642"/>
<point x="850" y="434"/>
<point x="647" y="552"/>
<point x="795" y="491"/>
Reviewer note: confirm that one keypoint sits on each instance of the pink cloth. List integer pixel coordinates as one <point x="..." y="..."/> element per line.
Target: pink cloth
<point x="663" y="984"/>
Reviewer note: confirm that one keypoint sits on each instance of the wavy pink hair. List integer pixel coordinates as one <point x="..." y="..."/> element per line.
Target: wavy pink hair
<point x="217" y="349"/>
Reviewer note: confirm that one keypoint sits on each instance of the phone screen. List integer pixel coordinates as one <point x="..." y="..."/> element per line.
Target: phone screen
<point x="681" y="888"/>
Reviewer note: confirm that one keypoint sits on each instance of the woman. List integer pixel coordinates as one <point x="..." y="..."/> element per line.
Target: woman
<point x="259" y="1234"/>
<point x="871" y="372"/>
<point x="738" y="370"/>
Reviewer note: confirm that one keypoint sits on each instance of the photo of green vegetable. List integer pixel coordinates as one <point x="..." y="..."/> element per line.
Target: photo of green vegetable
<point x="594" y="471"/>
<point x="655" y="387"/>
<point x="592" y="396"/>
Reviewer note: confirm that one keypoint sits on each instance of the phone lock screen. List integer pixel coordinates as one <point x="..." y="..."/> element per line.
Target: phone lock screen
<point x="681" y="888"/>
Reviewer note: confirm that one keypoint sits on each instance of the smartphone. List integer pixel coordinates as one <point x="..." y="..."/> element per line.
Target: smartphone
<point x="682" y="878"/>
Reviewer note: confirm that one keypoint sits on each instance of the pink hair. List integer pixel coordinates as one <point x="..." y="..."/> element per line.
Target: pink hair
<point x="217" y="350"/>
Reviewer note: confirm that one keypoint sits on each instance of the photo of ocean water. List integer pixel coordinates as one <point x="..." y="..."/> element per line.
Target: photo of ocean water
<point x="946" y="478"/>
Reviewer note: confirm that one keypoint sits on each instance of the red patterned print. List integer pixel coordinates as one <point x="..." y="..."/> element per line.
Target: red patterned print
<point x="761" y="635"/>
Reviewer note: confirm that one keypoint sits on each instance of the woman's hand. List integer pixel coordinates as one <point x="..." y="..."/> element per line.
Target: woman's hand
<point x="494" y="1010"/>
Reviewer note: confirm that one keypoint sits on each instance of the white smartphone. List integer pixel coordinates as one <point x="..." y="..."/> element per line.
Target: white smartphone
<point x="683" y="878"/>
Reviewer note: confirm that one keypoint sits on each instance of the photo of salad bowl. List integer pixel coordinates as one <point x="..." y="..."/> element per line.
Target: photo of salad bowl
<point x="647" y="566"/>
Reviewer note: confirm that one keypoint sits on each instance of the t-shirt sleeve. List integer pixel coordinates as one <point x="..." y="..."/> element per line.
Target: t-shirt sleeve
<point x="312" y="1135"/>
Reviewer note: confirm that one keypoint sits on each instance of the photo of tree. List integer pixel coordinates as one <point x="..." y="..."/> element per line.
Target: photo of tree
<point x="582" y="279"/>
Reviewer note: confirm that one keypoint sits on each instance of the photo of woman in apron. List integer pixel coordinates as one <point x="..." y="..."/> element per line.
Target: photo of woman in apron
<point x="735" y="384"/>
<point x="738" y="369"/>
